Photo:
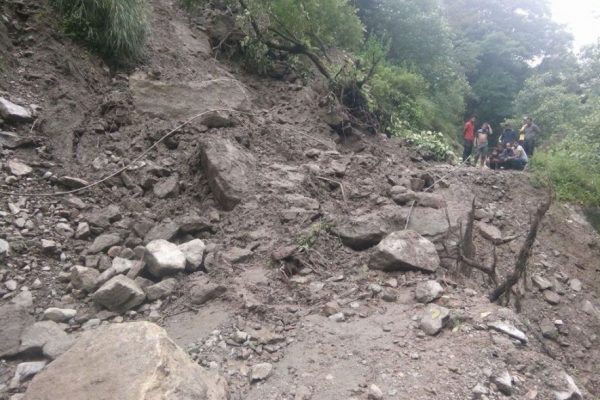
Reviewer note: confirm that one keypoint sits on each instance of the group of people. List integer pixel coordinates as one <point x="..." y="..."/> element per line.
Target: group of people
<point x="512" y="150"/>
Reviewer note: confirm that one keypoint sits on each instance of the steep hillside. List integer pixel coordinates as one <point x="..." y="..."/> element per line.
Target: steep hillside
<point x="274" y="252"/>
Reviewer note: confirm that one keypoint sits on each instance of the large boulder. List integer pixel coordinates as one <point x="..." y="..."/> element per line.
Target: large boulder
<point x="14" y="319"/>
<point x="405" y="250"/>
<point x="179" y="100"/>
<point x="45" y="338"/>
<point x="164" y="258"/>
<point x="228" y="169"/>
<point x="119" y="294"/>
<point x="129" y="361"/>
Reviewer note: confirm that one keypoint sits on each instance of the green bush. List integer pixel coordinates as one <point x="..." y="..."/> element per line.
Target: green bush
<point x="433" y="142"/>
<point x="117" y="29"/>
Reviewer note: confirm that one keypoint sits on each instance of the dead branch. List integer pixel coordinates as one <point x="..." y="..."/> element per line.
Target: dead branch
<point x="523" y="258"/>
<point x="341" y="185"/>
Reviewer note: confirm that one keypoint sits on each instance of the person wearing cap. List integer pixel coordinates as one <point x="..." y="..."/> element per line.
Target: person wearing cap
<point x="531" y="131"/>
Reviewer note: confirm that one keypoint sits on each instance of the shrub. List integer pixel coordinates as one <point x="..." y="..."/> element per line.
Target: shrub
<point x="117" y="29"/>
<point x="433" y="142"/>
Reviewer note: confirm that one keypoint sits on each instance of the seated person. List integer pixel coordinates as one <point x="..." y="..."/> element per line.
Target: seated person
<point x="494" y="160"/>
<point x="519" y="158"/>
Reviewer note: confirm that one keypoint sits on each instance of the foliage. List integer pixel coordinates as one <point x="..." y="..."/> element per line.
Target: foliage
<point x="433" y="142"/>
<point x="309" y="238"/>
<point x="117" y="29"/>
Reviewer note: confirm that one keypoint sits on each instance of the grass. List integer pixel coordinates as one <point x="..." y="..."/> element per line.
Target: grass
<point x="116" y="29"/>
<point x="309" y="239"/>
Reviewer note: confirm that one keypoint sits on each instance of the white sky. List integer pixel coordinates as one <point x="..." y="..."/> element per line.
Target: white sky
<point x="582" y="18"/>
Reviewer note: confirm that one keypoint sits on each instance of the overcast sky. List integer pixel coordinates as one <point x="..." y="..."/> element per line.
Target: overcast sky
<point x="582" y="18"/>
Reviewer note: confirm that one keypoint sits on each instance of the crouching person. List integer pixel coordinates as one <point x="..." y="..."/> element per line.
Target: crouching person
<point x="519" y="158"/>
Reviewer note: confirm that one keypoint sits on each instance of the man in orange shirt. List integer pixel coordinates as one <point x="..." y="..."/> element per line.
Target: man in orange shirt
<point x="469" y="137"/>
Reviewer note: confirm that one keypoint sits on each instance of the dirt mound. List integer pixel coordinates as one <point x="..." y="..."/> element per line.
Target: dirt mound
<point x="280" y="299"/>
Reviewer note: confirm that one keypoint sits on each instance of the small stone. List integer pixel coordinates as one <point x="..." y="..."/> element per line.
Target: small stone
<point x="104" y="242"/>
<point x="25" y="371"/>
<point x="161" y="289"/>
<point x="433" y="319"/>
<point x="508" y="329"/>
<point x="548" y="329"/>
<point x="331" y="308"/>
<point x="167" y="187"/>
<point x="237" y="255"/>
<point x="18" y="168"/>
<point x="503" y="382"/>
<point x="375" y="288"/>
<point x="4" y="248"/>
<point x="49" y="245"/>
<point x="575" y="285"/>
<point x="338" y="317"/>
<point x="389" y="296"/>
<point x="551" y="297"/>
<point x="200" y="294"/>
<point x="119" y="294"/>
<point x="37" y="284"/>
<point x="59" y="314"/>
<point x="72" y="182"/>
<point x="428" y="291"/>
<point x="572" y="392"/>
<point x="194" y="253"/>
<point x="479" y="391"/>
<point x="84" y="278"/>
<point x="260" y="372"/>
<point x="83" y="230"/>
<point x="11" y="285"/>
<point x="588" y="308"/>
<point x="164" y="258"/>
<point x="490" y="232"/>
<point x="541" y="282"/>
<point x="14" y="112"/>
<point x="375" y="393"/>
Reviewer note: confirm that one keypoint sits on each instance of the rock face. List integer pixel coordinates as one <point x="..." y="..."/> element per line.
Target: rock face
<point x="177" y="100"/>
<point x="228" y="169"/>
<point x="164" y="258"/>
<point x="405" y="250"/>
<point x="13" y="112"/>
<point x="129" y="361"/>
<point x="14" y="319"/>
<point x="119" y="294"/>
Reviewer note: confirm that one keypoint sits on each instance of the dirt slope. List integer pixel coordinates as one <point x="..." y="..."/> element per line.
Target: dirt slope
<point x="283" y="179"/>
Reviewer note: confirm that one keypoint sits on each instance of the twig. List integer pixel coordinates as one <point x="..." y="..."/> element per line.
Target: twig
<point x="409" y="214"/>
<point x="336" y="182"/>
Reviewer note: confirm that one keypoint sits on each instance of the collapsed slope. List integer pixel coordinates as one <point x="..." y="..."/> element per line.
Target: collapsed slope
<point x="281" y="204"/>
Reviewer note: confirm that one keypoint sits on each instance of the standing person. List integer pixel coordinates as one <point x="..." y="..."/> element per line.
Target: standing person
<point x="468" y="138"/>
<point x="481" y="144"/>
<point x="531" y="133"/>
<point x="508" y="135"/>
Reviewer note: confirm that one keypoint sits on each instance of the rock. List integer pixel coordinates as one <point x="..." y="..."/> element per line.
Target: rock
<point x="23" y="299"/>
<point x="119" y="294"/>
<point x="194" y="253"/>
<point x="299" y="201"/>
<point x="181" y="100"/>
<point x="64" y="230"/>
<point x="203" y="293"/>
<point x="548" y="329"/>
<point x="164" y="258"/>
<point x="103" y="217"/>
<point x="59" y="314"/>
<point x="84" y="278"/>
<point x="13" y="112"/>
<point x="433" y="319"/>
<point x="551" y="297"/>
<point x="572" y="392"/>
<point x="503" y="382"/>
<point x="104" y="242"/>
<point x="83" y="231"/>
<point x="428" y="291"/>
<point x="25" y="371"/>
<point x="237" y="255"/>
<point x="405" y="250"/>
<point x="389" y="295"/>
<point x="541" y="282"/>
<point x="490" y="232"/>
<point x="161" y="289"/>
<point x="228" y="169"/>
<point x="360" y="233"/>
<point x="49" y="246"/>
<point x="260" y="372"/>
<point x="166" y="230"/>
<point x="11" y="285"/>
<point x="338" y="317"/>
<point x="218" y="119"/>
<point x="375" y="393"/>
<point x="479" y="391"/>
<point x="167" y="187"/>
<point x="4" y="248"/>
<point x="14" y="319"/>
<point x="72" y="182"/>
<point x="135" y="360"/>
<point x="331" y="308"/>
<point x="588" y="308"/>
<point x="45" y="338"/>
<point x="17" y="168"/>
<point x="575" y="285"/>
<point x="508" y="329"/>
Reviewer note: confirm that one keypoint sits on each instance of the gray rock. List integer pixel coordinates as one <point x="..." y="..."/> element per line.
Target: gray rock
<point x="104" y="242"/>
<point x="45" y="338"/>
<point x="194" y="253"/>
<point x="299" y="201"/>
<point x="405" y="250"/>
<point x="84" y="278"/>
<point x="49" y="246"/>
<point x="83" y="231"/>
<point x="228" y="169"/>
<point x="164" y="258"/>
<point x="490" y="232"/>
<point x="434" y="319"/>
<point x="260" y="372"/>
<point x="237" y="255"/>
<point x="541" y="282"/>
<point x="428" y="291"/>
<point x="119" y="294"/>
<point x="503" y="382"/>
<point x="13" y="112"/>
<point x="59" y="314"/>
<point x="548" y="329"/>
<point x="4" y="248"/>
<point x="551" y="297"/>
<point x="218" y="119"/>
<point x="479" y="391"/>
<point x="389" y="295"/>
<point x="166" y="230"/>
<point x="203" y="293"/>
<point x="18" y="168"/>
<point x="360" y="233"/>
<point x="134" y="360"/>
<point x="72" y="182"/>
<point x="167" y="187"/>
<point x="11" y="285"/>
<point x="103" y="217"/>
<point x="161" y="289"/>
<point x="14" y="319"/>
<point x="508" y="329"/>
<point x="588" y="308"/>
<point x="572" y="392"/>
<point x="375" y="393"/>
<point x="25" y="371"/>
<point x="575" y="285"/>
